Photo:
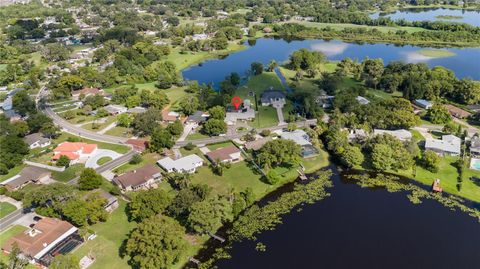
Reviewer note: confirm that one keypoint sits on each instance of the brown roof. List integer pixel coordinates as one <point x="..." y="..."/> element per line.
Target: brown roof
<point x="457" y="112"/>
<point x="29" y="173"/>
<point x="138" y="144"/>
<point x="222" y="154"/>
<point x="43" y="233"/>
<point x="137" y="177"/>
<point x="257" y="144"/>
<point x="167" y="117"/>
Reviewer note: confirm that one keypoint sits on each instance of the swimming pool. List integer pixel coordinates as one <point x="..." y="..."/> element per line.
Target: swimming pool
<point x="475" y="164"/>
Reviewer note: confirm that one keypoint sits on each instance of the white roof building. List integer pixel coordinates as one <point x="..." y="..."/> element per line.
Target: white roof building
<point x="401" y="134"/>
<point x="187" y="164"/>
<point x="448" y="145"/>
<point x="362" y="100"/>
<point x="300" y="137"/>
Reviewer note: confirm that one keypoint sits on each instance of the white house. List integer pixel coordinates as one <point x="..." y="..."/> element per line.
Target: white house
<point x="187" y="164"/>
<point x="362" y="100"/>
<point x="300" y="137"/>
<point x="401" y="134"/>
<point x="36" y="140"/>
<point x="448" y="145"/>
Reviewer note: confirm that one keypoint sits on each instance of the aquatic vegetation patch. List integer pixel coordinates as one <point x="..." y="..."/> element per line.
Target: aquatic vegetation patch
<point x="415" y="193"/>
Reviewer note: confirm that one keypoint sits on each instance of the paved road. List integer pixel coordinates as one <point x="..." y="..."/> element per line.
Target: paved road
<point x="70" y="128"/>
<point x="217" y="139"/>
<point x="11" y="218"/>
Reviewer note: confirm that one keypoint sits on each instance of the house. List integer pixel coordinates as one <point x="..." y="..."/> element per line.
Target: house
<point x="27" y="175"/>
<point x="75" y="151"/>
<point x="138" y="144"/>
<point x="86" y="92"/>
<point x="136" y="110"/>
<point x="115" y="109"/>
<point x="324" y="100"/>
<point x="36" y="140"/>
<point x="423" y="103"/>
<point x="474" y="108"/>
<point x="246" y="113"/>
<point x="228" y="154"/>
<point x="362" y="100"/>
<point x="272" y="97"/>
<point x="141" y="178"/>
<point x="187" y="164"/>
<point x="475" y="146"/>
<point x="401" y="134"/>
<point x="357" y="135"/>
<point x="448" y="145"/>
<point x="257" y="144"/>
<point x="457" y="112"/>
<point x="196" y="37"/>
<point x="197" y="118"/>
<point x="112" y="201"/>
<point x="169" y="116"/>
<point x="301" y="138"/>
<point x="46" y="239"/>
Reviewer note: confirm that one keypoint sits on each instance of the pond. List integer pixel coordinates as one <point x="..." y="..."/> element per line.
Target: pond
<point x="471" y="17"/>
<point x="464" y="62"/>
<point x="365" y="228"/>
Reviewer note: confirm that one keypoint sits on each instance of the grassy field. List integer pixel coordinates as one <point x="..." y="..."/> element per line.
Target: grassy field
<point x="11" y="172"/>
<point x="147" y="158"/>
<point x="120" y="131"/>
<point x="95" y="127"/>
<point x="341" y="26"/>
<point x="104" y="160"/>
<point x="435" y="53"/>
<point x="6" y="208"/>
<point x="259" y="84"/>
<point x="196" y="135"/>
<point x="111" y="234"/>
<point x="241" y="176"/>
<point x="184" y="60"/>
<point x="3" y="67"/>
<point x="219" y="145"/>
<point x="266" y="117"/>
<point x="69" y="173"/>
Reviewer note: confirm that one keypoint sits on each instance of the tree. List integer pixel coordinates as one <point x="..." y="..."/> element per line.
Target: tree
<point x="175" y="128"/>
<point x="161" y="138"/>
<point x="50" y="130"/>
<point x="389" y="153"/>
<point x="372" y="71"/>
<point x="89" y="179"/>
<point x="217" y="112"/>
<point x="63" y="161"/>
<point x="56" y="52"/>
<point x="207" y="216"/>
<point x="278" y="152"/>
<point x="235" y="79"/>
<point x="65" y="85"/>
<point x="36" y="121"/>
<point x="308" y="61"/>
<point x="82" y="212"/>
<point x="256" y="68"/>
<point x="181" y="204"/>
<point x="68" y="261"/>
<point x="136" y="159"/>
<point x="133" y="101"/>
<point x="272" y="65"/>
<point x="156" y="243"/>
<point x="189" y="105"/>
<point x="431" y="161"/>
<point x="144" y="123"/>
<point x="15" y="260"/>
<point x="22" y="103"/>
<point x="215" y="127"/>
<point x="438" y="114"/>
<point x="124" y="120"/>
<point x="148" y="203"/>
<point x="382" y="157"/>
<point x="272" y="177"/>
<point x="70" y="114"/>
<point x="13" y="150"/>
<point x="352" y="156"/>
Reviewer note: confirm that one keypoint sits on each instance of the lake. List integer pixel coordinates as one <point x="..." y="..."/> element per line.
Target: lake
<point x="365" y="228"/>
<point x="471" y="17"/>
<point x="464" y="63"/>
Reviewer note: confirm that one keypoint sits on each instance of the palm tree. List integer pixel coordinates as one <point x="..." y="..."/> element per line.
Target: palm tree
<point x="272" y="65"/>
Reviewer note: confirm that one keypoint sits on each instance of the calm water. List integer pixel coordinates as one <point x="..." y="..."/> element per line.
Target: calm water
<point x="365" y="228"/>
<point x="471" y="17"/>
<point x="465" y="63"/>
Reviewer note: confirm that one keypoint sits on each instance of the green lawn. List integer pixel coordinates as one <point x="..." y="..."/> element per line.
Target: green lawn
<point x="266" y="117"/>
<point x="11" y="172"/>
<point x="219" y="145"/>
<point x="6" y="208"/>
<point x="147" y="158"/>
<point x="104" y="160"/>
<point x="69" y="173"/>
<point x="196" y="135"/>
<point x="3" y="67"/>
<point x="259" y="84"/>
<point x="120" y="131"/>
<point x="448" y="176"/>
<point x="115" y="147"/>
<point x="110" y="236"/>
<point x="436" y="53"/>
<point x="240" y="176"/>
<point x="417" y="135"/>
<point x="95" y="127"/>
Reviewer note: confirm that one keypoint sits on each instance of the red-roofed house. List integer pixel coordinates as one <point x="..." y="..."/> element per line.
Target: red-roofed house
<point x="86" y="92"/>
<point x="75" y="151"/>
<point x="169" y="116"/>
<point x="47" y="238"/>
<point x="138" y="144"/>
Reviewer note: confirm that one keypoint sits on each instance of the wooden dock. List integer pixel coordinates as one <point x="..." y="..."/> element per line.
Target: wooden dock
<point x="302" y="175"/>
<point x="216" y="237"/>
<point x="436" y="186"/>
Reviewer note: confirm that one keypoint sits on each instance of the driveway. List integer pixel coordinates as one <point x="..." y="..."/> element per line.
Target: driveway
<point x="100" y="153"/>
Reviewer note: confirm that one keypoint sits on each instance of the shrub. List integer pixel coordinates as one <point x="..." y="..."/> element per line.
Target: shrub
<point x="136" y="159"/>
<point x="189" y="146"/>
